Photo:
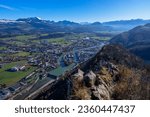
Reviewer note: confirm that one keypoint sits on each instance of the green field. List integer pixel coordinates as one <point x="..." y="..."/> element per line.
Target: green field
<point x="10" y="78"/>
<point x="44" y="34"/>
<point x="25" y="37"/>
<point x="57" y="41"/>
<point x="22" y="54"/>
<point x="2" y="48"/>
<point x="21" y="37"/>
<point x="101" y="38"/>
<point x="17" y="43"/>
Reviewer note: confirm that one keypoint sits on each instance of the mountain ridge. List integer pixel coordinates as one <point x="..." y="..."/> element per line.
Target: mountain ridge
<point x="33" y="24"/>
<point x="136" y="40"/>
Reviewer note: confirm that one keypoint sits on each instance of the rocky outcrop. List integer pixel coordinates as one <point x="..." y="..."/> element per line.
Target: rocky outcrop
<point x="94" y="86"/>
<point x="90" y="79"/>
<point x="79" y="75"/>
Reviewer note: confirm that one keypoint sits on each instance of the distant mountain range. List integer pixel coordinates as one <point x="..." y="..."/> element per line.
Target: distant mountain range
<point x="36" y="25"/>
<point x="136" y="40"/>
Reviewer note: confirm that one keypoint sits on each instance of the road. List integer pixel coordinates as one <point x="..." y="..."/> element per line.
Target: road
<point x="39" y="90"/>
<point x="24" y="90"/>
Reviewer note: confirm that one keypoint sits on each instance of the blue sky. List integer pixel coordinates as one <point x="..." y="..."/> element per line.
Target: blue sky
<point x="76" y="10"/>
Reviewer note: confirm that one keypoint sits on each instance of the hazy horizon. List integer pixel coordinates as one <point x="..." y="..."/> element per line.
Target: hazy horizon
<point x="75" y="21"/>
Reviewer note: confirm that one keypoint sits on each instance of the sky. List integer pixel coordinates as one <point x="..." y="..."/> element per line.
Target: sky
<point x="76" y="10"/>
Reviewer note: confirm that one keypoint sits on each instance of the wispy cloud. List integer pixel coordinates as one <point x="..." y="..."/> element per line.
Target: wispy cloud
<point x="7" y="7"/>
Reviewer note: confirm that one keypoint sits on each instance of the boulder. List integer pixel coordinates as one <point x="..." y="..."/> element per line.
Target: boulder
<point x="90" y="79"/>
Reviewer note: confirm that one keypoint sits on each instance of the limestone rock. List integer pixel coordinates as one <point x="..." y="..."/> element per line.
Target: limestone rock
<point x="90" y="79"/>
<point x="101" y="93"/>
<point x="79" y="75"/>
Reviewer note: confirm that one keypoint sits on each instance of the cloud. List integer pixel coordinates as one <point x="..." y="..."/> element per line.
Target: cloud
<point x="7" y="7"/>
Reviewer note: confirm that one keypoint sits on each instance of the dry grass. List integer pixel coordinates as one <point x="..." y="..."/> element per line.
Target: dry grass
<point x="80" y="92"/>
<point x="129" y="85"/>
<point x="105" y="75"/>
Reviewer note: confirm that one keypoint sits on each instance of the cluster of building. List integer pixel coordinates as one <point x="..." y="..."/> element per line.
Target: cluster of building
<point x="81" y="51"/>
<point x="46" y="57"/>
<point x="69" y="58"/>
<point x="17" y="68"/>
<point x="4" y="94"/>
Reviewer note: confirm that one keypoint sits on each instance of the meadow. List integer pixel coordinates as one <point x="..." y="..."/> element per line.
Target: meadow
<point x="9" y="78"/>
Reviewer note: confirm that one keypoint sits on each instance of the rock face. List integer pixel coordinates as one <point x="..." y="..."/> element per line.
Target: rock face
<point x="113" y="73"/>
<point x="93" y="86"/>
<point x="100" y="93"/>
<point x="90" y="79"/>
<point x="79" y="75"/>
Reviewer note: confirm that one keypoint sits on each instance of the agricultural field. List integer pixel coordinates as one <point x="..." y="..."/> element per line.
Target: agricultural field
<point x="9" y="78"/>
<point x="62" y="41"/>
<point x="17" y="43"/>
<point x="2" y="48"/>
<point x="19" y="38"/>
<point x="101" y="38"/>
<point x="25" y="37"/>
<point x="23" y="54"/>
<point x="19" y="54"/>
